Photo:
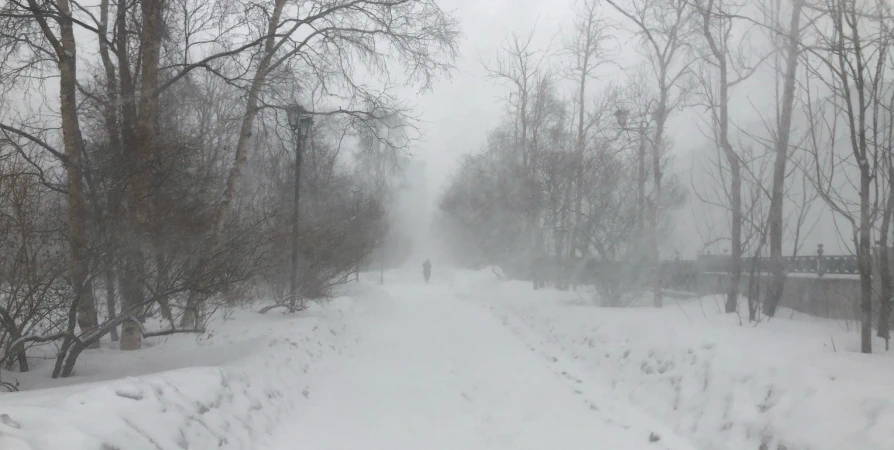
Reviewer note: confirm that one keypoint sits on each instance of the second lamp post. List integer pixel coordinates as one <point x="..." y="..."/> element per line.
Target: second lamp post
<point x="301" y="121"/>
<point x="622" y="115"/>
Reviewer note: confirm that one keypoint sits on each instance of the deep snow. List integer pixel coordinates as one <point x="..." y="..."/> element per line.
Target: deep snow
<point x="471" y="362"/>
<point x="780" y="384"/>
<point x="226" y="389"/>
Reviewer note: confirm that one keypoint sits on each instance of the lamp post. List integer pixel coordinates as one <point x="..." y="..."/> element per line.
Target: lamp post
<point x="355" y="200"/>
<point x="622" y="115"/>
<point x="300" y="121"/>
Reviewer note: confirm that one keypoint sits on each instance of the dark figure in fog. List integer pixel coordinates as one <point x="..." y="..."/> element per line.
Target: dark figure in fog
<point x="426" y="270"/>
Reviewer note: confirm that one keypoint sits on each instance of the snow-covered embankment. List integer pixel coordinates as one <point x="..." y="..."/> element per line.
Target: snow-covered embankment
<point x="780" y="385"/>
<point x="270" y="361"/>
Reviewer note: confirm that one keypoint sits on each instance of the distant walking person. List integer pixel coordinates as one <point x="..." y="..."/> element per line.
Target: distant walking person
<point x="426" y="270"/>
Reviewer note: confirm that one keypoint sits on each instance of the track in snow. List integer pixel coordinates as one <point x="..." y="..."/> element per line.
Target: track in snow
<point x="438" y="372"/>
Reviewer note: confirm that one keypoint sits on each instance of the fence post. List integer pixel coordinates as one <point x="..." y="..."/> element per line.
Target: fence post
<point x="820" y="266"/>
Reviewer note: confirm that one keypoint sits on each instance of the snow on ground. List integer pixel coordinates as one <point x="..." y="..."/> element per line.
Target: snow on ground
<point x="441" y="373"/>
<point x="471" y="362"/>
<point x="225" y="389"/>
<point x="779" y="385"/>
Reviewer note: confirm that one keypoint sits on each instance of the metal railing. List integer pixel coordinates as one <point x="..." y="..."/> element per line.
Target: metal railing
<point x="682" y="274"/>
<point x="819" y="264"/>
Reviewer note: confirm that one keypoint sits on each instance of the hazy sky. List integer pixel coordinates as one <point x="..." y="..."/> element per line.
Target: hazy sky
<point x="459" y="112"/>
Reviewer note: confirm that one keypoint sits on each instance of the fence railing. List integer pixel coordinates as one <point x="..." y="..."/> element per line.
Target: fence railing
<point x="818" y="264"/>
<point x="679" y="274"/>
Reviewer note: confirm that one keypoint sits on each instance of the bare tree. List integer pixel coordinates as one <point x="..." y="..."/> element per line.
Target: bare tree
<point x="335" y="36"/>
<point x="665" y="28"/>
<point x="717" y="28"/>
<point x="32" y="250"/>
<point x="589" y="48"/>
<point x="523" y="68"/>
<point x="791" y="51"/>
<point x="54" y="48"/>
<point x="850" y="66"/>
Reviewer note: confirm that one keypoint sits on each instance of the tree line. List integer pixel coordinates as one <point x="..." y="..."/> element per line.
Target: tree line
<point x="146" y="156"/>
<point x="582" y="165"/>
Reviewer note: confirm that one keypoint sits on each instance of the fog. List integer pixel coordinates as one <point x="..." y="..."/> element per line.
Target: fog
<point x="446" y="224"/>
<point x="458" y="113"/>
<point x="164" y="159"/>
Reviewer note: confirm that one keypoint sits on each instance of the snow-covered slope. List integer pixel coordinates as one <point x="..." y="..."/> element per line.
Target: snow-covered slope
<point x="782" y="384"/>
<point x="226" y="389"/>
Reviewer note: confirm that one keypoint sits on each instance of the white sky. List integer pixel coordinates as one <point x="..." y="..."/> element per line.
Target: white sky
<point x="459" y="112"/>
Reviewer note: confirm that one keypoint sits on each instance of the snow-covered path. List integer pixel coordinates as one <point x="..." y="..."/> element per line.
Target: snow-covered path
<point x="439" y="372"/>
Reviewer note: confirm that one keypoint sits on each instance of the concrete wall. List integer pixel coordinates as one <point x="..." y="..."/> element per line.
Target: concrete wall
<point x="831" y="296"/>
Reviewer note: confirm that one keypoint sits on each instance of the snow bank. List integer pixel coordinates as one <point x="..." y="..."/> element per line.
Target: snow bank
<point x="226" y="407"/>
<point x="782" y="384"/>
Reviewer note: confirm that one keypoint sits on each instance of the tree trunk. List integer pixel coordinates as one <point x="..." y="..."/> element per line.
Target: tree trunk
<point x="67" y="341"/>
<point x="143" y="149"/>
<point x="162" y="286"/>
<point x="884" y="269"/>
<point x="190" y="317"/>
<point x="73" y="144"/>
<point x="20" y="356"/>
<point x="732" y="294"/>
<point x="884" y="262"/>
<point x="654" y="203"/>
<point x="196" y="296"/>
<point x="70" y="359"/>
<point x="131" y="334"/>
<point x="719" y="52"/>
<point x="113" y="197"/>
<point x="109" y="273"/>
<point x="658" y="298"/>
<point x="581" y="145"/>
<point x="641" y="190"/>
<point x="775" y="218"/>
<point x="251" y="112"/>
<point x="864" y="254"/>
<point x="296" y="210"/>
<point x="130" y="271"/>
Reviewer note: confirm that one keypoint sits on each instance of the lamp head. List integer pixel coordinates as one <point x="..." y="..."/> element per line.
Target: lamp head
<point x="621" y="116"/>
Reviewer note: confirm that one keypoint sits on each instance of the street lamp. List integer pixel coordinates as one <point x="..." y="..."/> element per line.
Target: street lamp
<point x="300" y="121"/>
<point x="621" y="116"/>
<point x="355" y="200"/>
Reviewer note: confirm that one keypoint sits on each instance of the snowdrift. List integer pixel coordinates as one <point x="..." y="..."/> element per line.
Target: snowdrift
<point x="226" y="407"/>
<point x="792" y="383"/>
